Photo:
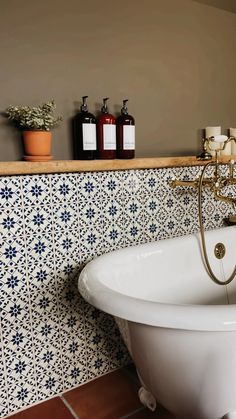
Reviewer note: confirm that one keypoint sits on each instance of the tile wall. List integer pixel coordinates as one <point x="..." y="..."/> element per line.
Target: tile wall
<point x="51" y="225"/>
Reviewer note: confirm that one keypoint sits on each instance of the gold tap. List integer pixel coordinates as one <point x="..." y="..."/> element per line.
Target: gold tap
<point x="226" y="199"/>
<point x="216" y="183"/>
<point x="174" y="183"/>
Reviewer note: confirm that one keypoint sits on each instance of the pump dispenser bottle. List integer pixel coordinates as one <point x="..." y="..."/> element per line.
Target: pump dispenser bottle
<point x="125" y="134"/>
<point x="106" y="133"/>
<point x="85" y="142"/>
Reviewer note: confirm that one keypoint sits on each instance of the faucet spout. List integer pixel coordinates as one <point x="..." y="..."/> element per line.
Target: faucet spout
<point x="227" y="199"/>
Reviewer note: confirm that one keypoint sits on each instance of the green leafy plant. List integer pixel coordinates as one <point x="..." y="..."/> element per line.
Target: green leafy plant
<point x="34" y="118"/>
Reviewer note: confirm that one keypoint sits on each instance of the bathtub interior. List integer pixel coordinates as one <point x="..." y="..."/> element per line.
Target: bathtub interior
<point x="170" y="271"/>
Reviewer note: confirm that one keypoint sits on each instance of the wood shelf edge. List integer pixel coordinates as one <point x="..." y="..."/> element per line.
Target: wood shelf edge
<point x="69" y="166"/>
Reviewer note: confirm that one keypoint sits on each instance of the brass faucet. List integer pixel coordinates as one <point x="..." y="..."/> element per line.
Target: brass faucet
<point x="216" y="183"/>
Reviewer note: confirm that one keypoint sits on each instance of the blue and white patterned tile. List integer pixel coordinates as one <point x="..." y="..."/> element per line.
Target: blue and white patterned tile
<point x="44" y="303"/>
<point x="74" y="348"/>
<point x="134" y="234"/>
<point x="153" y="186"/>
<point x="12" y="252"/>
<point x="10" y="192"/>
<point x="151" y="206"/>
<point x="39" y="249"/>
<point x="64" y="188"/>
<point x="46" y="331"/>
<point x="111" y="212"/>
<point x="111" y="185"/>
<point x="38" y="221"/>
<point x="47" y="355"/>
<point x="13" y="282"/>
<point x="89" y="184"/>
<point x="21" y="378"/>
<point x="151" y="231"/>
<point x="75" y="373"/>
<point x="36" y="190"/>
<point x="89" y="214"/>
<point x="98" y="364"/>
<point x="19" y="366"/>
<point x="133" y="181"/>
<point x="21" y="394"/>
<point x="41" y="274"/>
<point x="74" y="356"/>
<point x="72" y="324"/>
<point x="113" y="237"/>
<point x="16" y="338"/>
<point x="67" y="247"/>
<point x="133" y="225"/>
<point x="49" y="384"/>
<point x="65" y="218"/>
<point x="11" y="222"/>
<point x="14" y="310"/>
<point x="91" y="242"/>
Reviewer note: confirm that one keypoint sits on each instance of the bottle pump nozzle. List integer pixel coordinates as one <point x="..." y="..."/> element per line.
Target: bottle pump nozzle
<point x="104" y="107"/>
<point x="84" y="106"/>
<point x="124" y="109"/>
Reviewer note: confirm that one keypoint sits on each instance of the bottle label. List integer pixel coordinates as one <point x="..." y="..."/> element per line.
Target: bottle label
<point x="128" y="137"/>
<point x="89" y="137"/>
<point x="109" y="136"/>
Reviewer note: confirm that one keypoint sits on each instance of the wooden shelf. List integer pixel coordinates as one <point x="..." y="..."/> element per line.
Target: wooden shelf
<point x="66" y="166"/>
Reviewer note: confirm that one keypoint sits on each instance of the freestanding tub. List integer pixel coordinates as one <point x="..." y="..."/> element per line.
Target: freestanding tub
<point x="179" y="326"/>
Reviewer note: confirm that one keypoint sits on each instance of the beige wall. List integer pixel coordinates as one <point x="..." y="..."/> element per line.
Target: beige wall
<point x="174" y="59"/>
<point x="222" y="4"/>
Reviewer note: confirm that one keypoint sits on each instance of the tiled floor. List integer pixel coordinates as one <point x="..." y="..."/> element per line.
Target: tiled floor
<point x="112" y="396"/>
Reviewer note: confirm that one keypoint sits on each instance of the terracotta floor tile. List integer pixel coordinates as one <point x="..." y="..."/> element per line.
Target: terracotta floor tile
<point x="109" y="397"/>
<point x="51" y="409"/>
<point x="147" y="414"/>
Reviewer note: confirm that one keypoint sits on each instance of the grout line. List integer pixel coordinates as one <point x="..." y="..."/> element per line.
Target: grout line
<point x="68" y="406"/>
<point x="140" y="409"/>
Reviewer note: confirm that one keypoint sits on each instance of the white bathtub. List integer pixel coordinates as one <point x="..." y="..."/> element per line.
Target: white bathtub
<point x="179" y="326"/>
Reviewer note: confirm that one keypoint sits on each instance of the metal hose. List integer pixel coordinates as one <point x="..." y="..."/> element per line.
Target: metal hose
<point x="210" y="272"/>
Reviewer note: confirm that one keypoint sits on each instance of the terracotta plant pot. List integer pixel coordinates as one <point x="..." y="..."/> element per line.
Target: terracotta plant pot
<point x="37" y="145"/>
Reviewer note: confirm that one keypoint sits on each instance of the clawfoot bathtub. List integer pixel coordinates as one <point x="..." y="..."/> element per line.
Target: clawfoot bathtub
<point x="179" y="326"/>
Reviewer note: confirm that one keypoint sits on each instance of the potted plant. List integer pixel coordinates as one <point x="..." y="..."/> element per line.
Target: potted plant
<point x="36" y="123"/>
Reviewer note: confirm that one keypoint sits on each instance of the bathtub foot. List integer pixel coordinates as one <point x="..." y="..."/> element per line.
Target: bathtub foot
<point x="148" y="400"/>
<point x="230" y="415"/>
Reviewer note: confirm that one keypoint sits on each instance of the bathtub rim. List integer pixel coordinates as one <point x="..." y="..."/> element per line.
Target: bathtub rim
<point x="176" y="316"/>
<point x="172" y="316"/>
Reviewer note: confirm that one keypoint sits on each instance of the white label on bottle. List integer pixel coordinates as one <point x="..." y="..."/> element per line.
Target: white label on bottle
<point x="89" y="137"/>
<point x="109" y="136"/>
<point x="129" y="137"/>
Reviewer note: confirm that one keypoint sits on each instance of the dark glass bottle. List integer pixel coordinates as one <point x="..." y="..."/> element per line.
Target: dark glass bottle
<point x="125" y="134"/>
<point x="85" y="142"/>
<point x="106" y="133"/>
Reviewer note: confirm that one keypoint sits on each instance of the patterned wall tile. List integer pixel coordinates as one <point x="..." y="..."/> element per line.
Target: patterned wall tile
<point x="51" y="225"/>
<point x="10" y="192"/>
<point x="36" y="190"/>
<point x="12" y="252"/>
<point x="11" y="221"/>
